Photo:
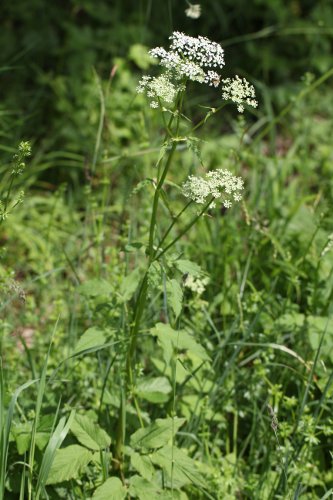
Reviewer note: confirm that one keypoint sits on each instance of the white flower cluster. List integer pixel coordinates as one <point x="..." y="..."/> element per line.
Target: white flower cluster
<point x="191" y="57"/>
<point x="194" y="11"/>
<point x="158" y="88"/>
<point x="240" y="91"/>
<point x="216" y="184"/>
<point x="196" y="59"/>
<point x="196" y="284"/>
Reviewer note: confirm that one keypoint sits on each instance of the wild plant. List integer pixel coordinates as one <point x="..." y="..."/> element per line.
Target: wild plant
<point x="9" y="198"/>
<point x="187" y="60"/>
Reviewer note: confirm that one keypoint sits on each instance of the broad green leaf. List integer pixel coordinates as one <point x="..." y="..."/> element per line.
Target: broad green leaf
<point x="155" y="390"/>
<point x="68" y="463"/>
<point x="95" y="288"/>
<point x="143" y="489"/>
<point x="188" y="267"/>
<point x="171" y="341"/>
<point x="175" y="296"/>
<point x="179" y="469"/>
<point x="157" y="434"/>
<point x="112" y="489"/>
<point x="143" y="465"/>
<point x="90" y="434"/>
<point x="129" y="284"/>
<point x="93" y="337"/>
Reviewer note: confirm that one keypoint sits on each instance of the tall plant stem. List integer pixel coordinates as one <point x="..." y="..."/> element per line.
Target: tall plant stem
<point x="142" y="294"/>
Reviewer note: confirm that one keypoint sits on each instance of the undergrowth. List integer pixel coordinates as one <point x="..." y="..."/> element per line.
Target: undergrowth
<point x="136" y="362"/>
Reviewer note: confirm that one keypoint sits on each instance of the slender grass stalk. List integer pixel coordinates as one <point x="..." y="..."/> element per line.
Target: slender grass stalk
<point x="40" y="395"/>
<point x="6" y="419"/>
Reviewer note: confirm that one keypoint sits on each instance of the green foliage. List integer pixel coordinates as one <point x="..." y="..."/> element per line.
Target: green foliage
<point x="218" y="384"/>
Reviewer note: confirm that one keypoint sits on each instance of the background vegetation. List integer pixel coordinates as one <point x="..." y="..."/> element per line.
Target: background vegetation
<point x="254" y="386"/>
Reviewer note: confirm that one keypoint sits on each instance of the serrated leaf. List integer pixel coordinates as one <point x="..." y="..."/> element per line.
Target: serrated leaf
<point x="93" y="337"/>
<point x="130" y="284"/>
<point x="179" y="469"/>
<point x="112" y="489"/>
<point x="155" y="390"/>
<point x="175" y="296"/>
<point x="68" y="463"/>
<point x="188" y="267"/>
<point x="89" y="433"/>
<point x="142" y="464"/>
<point x="95" y="288"/>
<point x="142" y="489"/>
<point x="171" y="340"/>
<point x="157" y="434"/>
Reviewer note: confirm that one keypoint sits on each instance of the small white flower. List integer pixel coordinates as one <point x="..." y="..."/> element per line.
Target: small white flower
<point x="216" y="184"/>
<point x="194" y="11"/>
<point x="239" y="91"/>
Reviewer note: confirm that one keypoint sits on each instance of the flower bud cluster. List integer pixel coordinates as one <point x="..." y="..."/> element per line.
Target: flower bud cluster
<point x="159" y="88"/>
<point x="216" y="184"/>
<point x="239" y="91"/>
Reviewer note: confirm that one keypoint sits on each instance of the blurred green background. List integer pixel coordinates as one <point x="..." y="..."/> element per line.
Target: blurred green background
<point x="50" y="50"/>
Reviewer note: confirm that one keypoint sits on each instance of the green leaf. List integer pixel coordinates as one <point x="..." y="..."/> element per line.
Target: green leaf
<point x="171" y="340"/>
<point x="112" y="489"/>
<point x="130" y="284"/>
<point x="179" y="469"/>
<point x="157" y="434"/>
<point x="93" y="337"/>
<point x="54" y="444"/>
<point x="68" y="463"/>
<point x="175" y="296"/>
<point x="95" y="288"/>
<point x="139" y="54"/>
<point x="142" y="489"/>
<point x="22" y="435"/>
<point x="155" y="390"/>
<point x="142" y="464"/>
<point x="188" y="267"/>
<point x="89" y="433"/>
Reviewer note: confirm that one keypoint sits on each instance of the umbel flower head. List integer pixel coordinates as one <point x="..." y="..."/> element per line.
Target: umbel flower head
<point x="194" y="58"/>
<point x="216" y="184"/>
<point x="159" y="88"/>
<point x="239" y="91"/>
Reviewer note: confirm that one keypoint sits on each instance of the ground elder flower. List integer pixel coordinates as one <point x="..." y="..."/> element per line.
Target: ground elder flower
<point x="193" y="58"/>
<point x="157" y="88"/>
<point x="216" y="184"/>
<point x="239" y="91"/>
<point x="194" y="11"/>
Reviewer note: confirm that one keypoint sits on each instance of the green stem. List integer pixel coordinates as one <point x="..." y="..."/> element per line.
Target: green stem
<point x="187" y="228"/>
<point x="155" y="202"/>
<point x="175" y="219"/>
<point x="8" y="192"/>
<point x="142" y="294"/>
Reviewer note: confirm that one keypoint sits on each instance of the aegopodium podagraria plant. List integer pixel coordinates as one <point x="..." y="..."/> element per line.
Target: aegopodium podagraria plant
<point x="187" y="59"/>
